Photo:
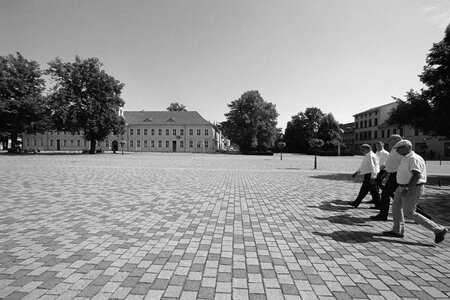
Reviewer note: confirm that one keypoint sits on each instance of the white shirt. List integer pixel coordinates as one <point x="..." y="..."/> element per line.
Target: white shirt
<point x="393" y="161"/>
<point x="411" y="161"/>
<point x="370" y="164"/>
<point x="382" y="156"/>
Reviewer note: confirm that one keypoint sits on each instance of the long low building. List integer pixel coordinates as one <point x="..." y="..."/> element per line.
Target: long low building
<point x="146" y="131"/>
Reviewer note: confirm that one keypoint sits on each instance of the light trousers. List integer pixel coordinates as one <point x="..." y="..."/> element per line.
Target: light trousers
<point x="404" y="205"/>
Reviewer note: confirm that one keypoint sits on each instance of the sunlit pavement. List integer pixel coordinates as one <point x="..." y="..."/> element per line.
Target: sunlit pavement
<point x="194" y="226"/>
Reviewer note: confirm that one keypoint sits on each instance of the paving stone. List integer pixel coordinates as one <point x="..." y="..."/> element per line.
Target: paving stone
<point x="182" y="226"/>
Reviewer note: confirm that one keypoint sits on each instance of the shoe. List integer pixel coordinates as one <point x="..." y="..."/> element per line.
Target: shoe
<point x="393" y="234"/>
<point x="370" y="202"/>
<point x="440" y="236"/>
<point x="375" y="207"/>
<point x="378" y="218"/>
<point x="353" y="203"/>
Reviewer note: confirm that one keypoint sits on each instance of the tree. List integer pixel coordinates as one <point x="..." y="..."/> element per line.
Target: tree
<point x="22" y="106"/>
<point x="86" y="99"/>
<point x="428" y="110"/>
<point x="251" y="122"/>
<point x="300" y="130"/>
<point x="329" y="131"/>
<point x="176" y="107"/>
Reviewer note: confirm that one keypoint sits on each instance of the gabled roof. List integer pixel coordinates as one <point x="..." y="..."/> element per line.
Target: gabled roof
<point x="376" y="108"/>
<point x="164" y="117"/>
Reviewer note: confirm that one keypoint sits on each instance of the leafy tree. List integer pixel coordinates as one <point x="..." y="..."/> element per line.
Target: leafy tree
<point x="329" y="131"/>
<point x="428" y="110"/>
<point x="86" y="99"/>
<point x="22" y="106"/>
<point x="176" y="107"/>
<point x="251" y="122"/>
<point x="300" y="130"/>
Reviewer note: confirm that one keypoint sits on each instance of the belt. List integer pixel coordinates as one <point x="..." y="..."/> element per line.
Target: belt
<point x="403" y="185"/>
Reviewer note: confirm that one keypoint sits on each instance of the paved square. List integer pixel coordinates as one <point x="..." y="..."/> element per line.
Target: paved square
<point x="193" y="226"/>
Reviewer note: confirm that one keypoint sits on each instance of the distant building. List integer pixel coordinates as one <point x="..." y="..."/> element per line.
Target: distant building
<point x="371" y="126"/>
<point x="146" y="131"/>
<point x="348" y="135"/>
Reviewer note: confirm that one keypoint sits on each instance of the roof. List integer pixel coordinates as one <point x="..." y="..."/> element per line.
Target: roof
<point x="164" y="117"/>
<point x="376" y="108"/>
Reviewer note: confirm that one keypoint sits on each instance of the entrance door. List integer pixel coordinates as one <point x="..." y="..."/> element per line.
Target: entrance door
<point x="58" y="145"/>
<point x="174" y="146"/>
<point x="115" y="146"/>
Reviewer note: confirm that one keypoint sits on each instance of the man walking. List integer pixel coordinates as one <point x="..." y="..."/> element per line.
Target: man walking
<point x="382" y="156"/>
<point x="411" y="177"/>
<point x="369" y="168"/>
<point x="390" y="167"/>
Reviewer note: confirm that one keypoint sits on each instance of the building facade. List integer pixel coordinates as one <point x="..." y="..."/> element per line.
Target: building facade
<point x="371" y="126"/>
<point x="145" y="131"/>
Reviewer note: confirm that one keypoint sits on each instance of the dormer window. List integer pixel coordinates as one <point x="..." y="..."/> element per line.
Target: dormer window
<point x="148" y="120"/>
<point x="170" y="120"/>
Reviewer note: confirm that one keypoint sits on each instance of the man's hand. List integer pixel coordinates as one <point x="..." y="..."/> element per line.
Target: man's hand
<point x="354" y="174"/>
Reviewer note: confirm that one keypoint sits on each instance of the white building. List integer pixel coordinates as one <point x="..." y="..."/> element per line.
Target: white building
<point x="371" y="126"/>
<point x="146" y="131"/>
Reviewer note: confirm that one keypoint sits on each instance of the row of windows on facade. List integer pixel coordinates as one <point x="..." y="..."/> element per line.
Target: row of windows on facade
<point x="159" y="144"/>
<point x="65" y="143"/>
<point x="367" y="135"/>
<point x="106" y="143"/>
<point x="167" y="131"/>
<point x="366" y="115"/>
<point x="366" y="123"/>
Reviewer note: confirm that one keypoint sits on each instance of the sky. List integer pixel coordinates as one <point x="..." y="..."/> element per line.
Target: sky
<point x="342" y="56"/>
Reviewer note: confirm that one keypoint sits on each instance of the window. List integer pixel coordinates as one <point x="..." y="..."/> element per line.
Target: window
<point x="181" y="144"/>
<point x="51" y="143"/>
<point x="131" y="131"/>
<point x="361" y="124"/>
<point x="145" y="131"/>
<point x="159" y="131"/>
<point x="42" y="142"/>
<point x="370" y="123"/>
<point x="401" y="131"/>
<point x="199" y="144"/>
<point x="382" y="134"/>
<point x="152" y="143"/>
<point x="206" y="132"/>
<point x="191" y="144"/>
<point x="65" y="143"/>
<point x="174" y="132"/>
<point x="206" y="144"/>
<point x="160" y="144"/>
<point x="181" y="131"/>
<point x="138" y="143"/>
<point x="356" y="125"/>
<point x="375" y="134"/>
<point x="78" y="143"/>
<point x="145" y="143"/>
<point x="131" y="143"/>
<point x="394" y="131"/>
<point x="388" y="133"/>
<point x="191" y="131"/>
<point x="199" y="132"/>
<point x="138" y="131"/>
<point x="167" y="131"/>
<point x="167" y="144"/>
<point x="365" y="123"/>
<point x="376" y="122"/>
<point x="153" y="131"/>
<point x="71" y="143"/>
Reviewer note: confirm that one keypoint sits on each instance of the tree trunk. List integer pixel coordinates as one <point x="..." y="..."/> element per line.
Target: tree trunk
<point x="92" y="150"/>
<point x="13" y="141"/>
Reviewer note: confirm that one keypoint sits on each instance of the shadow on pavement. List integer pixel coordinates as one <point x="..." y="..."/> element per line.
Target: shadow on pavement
<point x="345" y="219"/>
<point x="334" y="205"/>
<point x="339" y="177"/>
<point x="357" y="237"/>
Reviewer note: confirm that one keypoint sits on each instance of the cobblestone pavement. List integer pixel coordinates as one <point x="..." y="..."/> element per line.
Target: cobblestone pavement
<point x="193" y="226"/>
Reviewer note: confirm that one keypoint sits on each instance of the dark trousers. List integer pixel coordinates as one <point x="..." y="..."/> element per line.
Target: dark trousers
<point x="365" y="189"/>
<point x="378" y="180"/>
<point x="388" y="192"/>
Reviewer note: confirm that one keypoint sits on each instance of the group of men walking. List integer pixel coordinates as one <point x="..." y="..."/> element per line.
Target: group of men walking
<point x="404" y="174"/>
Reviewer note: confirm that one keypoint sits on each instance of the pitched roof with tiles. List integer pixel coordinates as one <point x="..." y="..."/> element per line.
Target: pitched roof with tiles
<point x="164" y="118"/>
